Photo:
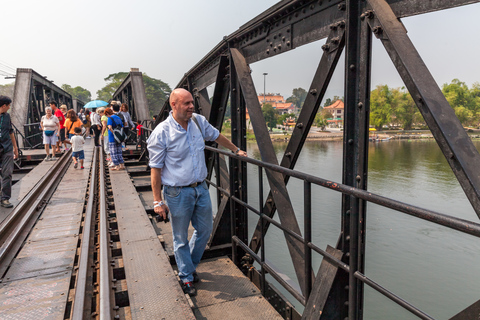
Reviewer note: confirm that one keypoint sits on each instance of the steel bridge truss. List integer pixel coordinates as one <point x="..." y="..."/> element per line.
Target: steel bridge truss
<point x="33" y="93"/>
<point x="132" y="92"/>
<point x="347" y="26"/>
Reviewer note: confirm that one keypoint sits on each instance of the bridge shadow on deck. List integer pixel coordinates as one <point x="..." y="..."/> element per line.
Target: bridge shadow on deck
<point x="225" y="293"/>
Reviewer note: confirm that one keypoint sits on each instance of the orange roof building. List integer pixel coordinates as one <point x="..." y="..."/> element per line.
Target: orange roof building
<point x="337" y="110"/>
<point x="278" y="103"/>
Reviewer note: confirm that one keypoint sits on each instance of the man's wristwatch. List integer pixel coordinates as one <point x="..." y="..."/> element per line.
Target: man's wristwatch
<point x="236" y="151"/>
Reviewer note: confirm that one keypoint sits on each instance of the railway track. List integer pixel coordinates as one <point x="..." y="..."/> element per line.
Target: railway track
<point x="92" y="288"/>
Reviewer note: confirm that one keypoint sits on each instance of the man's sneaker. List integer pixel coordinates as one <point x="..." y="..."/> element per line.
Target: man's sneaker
<point x="196" y="278"/>
<point x="54" y="158"/>
<point x="47" y="158"/>
<point x="189" y="289"/>
<point x="82" y="167"/>
<point x="6" y="204"/>
<point x="75" y="165"/>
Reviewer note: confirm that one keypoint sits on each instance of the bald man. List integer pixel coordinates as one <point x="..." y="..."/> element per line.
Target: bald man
<point x="176" y="150"/>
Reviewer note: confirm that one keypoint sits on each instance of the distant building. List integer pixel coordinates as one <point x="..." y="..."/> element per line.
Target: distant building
<point x="278" y="103"/>
<point x="337" y="111"/>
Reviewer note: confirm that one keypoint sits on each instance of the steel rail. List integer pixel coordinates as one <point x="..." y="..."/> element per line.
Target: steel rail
<point x="458" y="224"/>
<point x="81" y="285"/>
<point x="105" y="307"/>
<point x="14" y="229"/>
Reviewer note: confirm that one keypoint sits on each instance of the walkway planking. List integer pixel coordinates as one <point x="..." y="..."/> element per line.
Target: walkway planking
<point x="153" y="288"/>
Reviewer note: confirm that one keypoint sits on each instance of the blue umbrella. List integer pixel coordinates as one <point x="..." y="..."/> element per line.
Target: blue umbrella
<point x="95" y="104"/>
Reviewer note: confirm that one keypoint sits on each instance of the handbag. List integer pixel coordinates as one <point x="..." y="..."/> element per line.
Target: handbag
<point x="49" y="133"/>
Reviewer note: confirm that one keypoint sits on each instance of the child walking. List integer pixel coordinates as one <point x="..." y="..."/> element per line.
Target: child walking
<point x="77" y="147"/>
<point x="139" y="133"/>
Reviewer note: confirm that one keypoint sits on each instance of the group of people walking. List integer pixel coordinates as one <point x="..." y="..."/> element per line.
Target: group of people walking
<point x="60" y="126"/>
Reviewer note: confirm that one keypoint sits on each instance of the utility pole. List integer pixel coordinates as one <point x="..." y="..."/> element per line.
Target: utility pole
<point x="264" y="85"/>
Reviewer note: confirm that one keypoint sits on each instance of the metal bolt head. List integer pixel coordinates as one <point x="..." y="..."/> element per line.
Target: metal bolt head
<point x="377" y="30"/>
<point x="326" y="47"/>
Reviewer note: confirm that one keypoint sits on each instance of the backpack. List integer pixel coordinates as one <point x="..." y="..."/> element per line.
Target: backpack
<point x="198" y="126"/>
<point x="118" y="133"/>
<point x="121" y="116"/>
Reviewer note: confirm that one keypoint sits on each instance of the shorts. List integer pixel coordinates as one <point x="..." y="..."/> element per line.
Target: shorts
<point x="62" y="134"/>
<point x="78" y="154"/>
<point x="52" y="140"/>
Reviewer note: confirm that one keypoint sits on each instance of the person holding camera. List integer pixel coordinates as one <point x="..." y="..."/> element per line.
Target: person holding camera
<point x="8" y="151"/>
<point x="177" y="161"/>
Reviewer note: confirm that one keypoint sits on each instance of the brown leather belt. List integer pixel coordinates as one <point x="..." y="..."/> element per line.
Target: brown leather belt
<point x="193" y="185"/>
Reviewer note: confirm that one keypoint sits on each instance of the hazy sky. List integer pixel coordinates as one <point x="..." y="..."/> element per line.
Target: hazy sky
<point x="82" y="42"/>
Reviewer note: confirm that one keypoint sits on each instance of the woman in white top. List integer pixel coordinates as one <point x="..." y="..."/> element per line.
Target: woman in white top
<point x="51" y="131"/>
<point x="96" y="126"/>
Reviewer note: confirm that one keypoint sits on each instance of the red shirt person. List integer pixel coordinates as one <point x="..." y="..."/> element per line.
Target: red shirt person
<point x="61" y="118"/>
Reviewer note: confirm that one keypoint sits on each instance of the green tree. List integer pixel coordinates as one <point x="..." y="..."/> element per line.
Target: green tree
<point x="405" y="111"/>
<point x="156" y="90"/>
<point x="7" y="89"/>
<point x="114" y="81"/>
<point x="270" y="115"/>
<point x="298" y="97"/>
<point x="465" y="102"/>
<point x="284" y="116"/>
<point x="78" y="92"/>
<point x="320" y="121"/>
<point x="381" y="106"/>
<point x="328" y="102"/>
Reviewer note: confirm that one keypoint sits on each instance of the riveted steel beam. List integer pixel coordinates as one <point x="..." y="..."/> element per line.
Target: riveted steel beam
<point x="32" y="94"/>
<point x="332" y="51"/>
<point x="132" y="92"/>
<point x="292" y="23"/>
<point x="238" y="169"/>
<point x="275" y="179"/>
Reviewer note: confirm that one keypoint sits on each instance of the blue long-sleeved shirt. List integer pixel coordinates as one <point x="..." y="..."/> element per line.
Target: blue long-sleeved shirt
<point x="179" y="153"/>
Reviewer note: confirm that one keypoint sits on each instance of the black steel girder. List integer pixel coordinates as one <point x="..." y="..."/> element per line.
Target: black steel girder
<point x="267" y="152"/>
<point x="291" y="24"/>
<point x="132" y="92"/>
<point x="332" y="52"/>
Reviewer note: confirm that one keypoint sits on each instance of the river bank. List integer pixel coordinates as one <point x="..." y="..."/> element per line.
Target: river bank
<point x="336" y="134"/>
<point x="318" y="135"/>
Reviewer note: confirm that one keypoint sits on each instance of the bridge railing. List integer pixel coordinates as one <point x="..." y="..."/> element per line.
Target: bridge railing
<point x="461" y="225"/>
<point x="33" y="137"/>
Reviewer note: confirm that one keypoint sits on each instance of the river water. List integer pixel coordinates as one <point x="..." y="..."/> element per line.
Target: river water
<point x="434" y="268"/>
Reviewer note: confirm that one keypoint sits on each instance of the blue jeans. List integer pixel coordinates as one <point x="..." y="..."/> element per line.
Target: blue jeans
<point x="189" y="204"/>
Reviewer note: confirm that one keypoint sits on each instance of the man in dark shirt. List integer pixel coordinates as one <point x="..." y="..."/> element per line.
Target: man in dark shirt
<point x="8" y="151"/>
